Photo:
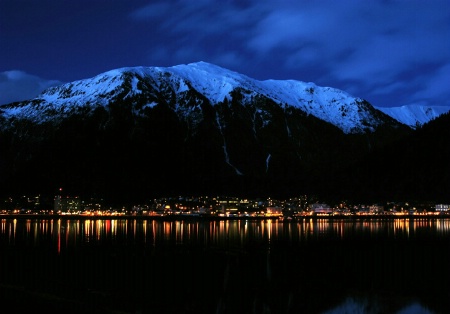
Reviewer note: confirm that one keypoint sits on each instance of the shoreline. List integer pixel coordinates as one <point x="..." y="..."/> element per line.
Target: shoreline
<point x="218" y="218"/>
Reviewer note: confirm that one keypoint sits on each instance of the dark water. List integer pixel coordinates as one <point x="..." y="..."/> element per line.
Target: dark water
<point x="231" y="266"/>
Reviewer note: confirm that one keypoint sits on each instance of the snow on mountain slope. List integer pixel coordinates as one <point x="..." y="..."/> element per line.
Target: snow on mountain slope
<point x="414" y="116"/>
<point x="337" y="107"/>
<point x="329" y="104"/>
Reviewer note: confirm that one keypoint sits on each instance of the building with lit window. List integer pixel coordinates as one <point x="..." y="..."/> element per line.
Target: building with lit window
<point x="318" y="208"/>
<point x="66" y="204"/>
<point x="442" y="207"/>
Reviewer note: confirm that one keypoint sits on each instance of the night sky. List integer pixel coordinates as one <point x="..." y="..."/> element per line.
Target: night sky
<point x="390" y="53"/>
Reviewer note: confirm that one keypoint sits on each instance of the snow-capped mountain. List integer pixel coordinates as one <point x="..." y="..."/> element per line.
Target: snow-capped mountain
<point x="146" y="85"/>
<point x="414" y="116"/>
<point x="195" y="128"/>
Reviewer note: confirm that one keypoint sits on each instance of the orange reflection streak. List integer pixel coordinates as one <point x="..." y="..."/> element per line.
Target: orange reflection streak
<point x="14" y="229"/>
<point x="221" y="227"/>
<point x="243" y="231"/>
<point x="179" y="232"/>
<point x="416" y="224"/>
<point x="87" y="230"/>
<point x="98" y="229"/>
<point x="399" y="226"/>
<point x="261" y="225"/>
<point x="76" y="231"/>
<point x="269" y="229"/>
<point x="338" y="228"/>
<point x="275" y="231"/>
<point x="197" y="229"/>
<point x="446" y="226"/>
<point x="222" y="233"/>
<point x="246" y="229"/>
<point x="167" y="228"/>
<point x="44" y="225"/>
<point x="114" y="228"/>
<point x="322" y="225"/>
<point x="189" y="231"/>
<point x="67" y="233"/>
<point x="154" y="232"/>
<point x="35" y="231"/>
<point x="59" y="236"/>
<point x="374" y="226"/>
<point x="212" y="228"/>
<point x="144" y="229"/>
<point x="301" y="231"/>
<point x="407" y="227"/>
<point x="107" y="224"/>
<point x="396" y="226"/>
<point x="440" y="225"/>
<point x="8" y="227"/>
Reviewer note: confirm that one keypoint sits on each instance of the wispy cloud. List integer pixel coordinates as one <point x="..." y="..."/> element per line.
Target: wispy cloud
<point x="388" y="52"/>
<point x="435" y="90"/>
<point x="365" y="47"/>
<point x="17" y="86"/>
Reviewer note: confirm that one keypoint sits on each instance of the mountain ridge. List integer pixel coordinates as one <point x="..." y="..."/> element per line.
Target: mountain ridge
<point x="216" y="83"/>
<point x="350" y="114"/>
<point x="414" y="116"/>
<point x="192" y="129"/>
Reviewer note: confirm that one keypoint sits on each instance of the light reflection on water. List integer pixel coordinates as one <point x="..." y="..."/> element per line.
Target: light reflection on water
<point x="335" y="265"/>
<point x="68" y="233"/>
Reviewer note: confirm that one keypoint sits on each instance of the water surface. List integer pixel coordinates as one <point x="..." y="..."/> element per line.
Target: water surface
<point x="228" y="266"/>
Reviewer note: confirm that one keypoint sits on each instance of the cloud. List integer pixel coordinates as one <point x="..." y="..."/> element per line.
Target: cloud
<point x="356" y="40"/>
<point x="435" y="90"/>
<point x="17" y="86"/>
<point x="152" y="11"/>
<point x="385" y="51"/>
<point x="201" y="30"/>
<point x="388" y="52"/>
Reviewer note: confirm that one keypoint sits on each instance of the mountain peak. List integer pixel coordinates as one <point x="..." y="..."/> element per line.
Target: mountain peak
<point x="217" y="84"/>
<point x="204" y="64"/>
<point x="414" y="116"/>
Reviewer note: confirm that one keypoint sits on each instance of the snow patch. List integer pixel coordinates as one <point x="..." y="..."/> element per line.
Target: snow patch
<point x="414" y="116"/>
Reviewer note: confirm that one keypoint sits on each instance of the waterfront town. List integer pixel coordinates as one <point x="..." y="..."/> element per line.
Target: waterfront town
<point x="217" y="206"/>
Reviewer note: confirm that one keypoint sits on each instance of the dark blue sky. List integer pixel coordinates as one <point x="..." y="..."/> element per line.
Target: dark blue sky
<point x="390" y="53"/>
